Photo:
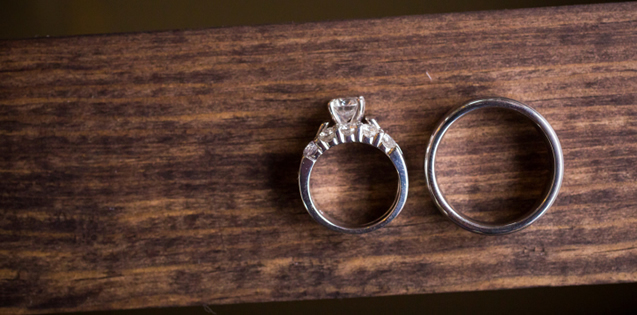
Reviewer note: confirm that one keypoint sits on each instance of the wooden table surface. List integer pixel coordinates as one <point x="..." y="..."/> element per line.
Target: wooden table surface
<point x="160" y="169"/>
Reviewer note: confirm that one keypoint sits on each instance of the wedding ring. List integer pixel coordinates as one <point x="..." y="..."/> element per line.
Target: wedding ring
<point x="349" y="127"/>
<point x="551" y="190"/>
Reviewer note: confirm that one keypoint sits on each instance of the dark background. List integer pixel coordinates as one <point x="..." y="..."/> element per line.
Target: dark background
<point x="40" y="18"/>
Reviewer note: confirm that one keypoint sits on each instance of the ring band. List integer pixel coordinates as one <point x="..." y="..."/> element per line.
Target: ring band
<point x="348" y="113"/>
<point x="551" y="191"/>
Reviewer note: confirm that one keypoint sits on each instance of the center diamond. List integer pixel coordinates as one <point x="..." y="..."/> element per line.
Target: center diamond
<point x="347" y="110"/>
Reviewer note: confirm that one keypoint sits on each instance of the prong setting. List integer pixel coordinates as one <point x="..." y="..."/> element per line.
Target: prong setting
<point x="363" y="130"/>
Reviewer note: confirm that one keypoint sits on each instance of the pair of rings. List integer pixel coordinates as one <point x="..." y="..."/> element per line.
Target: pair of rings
<point x="351" y="127"/>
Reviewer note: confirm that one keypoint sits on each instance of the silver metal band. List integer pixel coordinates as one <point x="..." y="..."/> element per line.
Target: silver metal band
<point x="551" y="191"/>
<point x="350" y="128"/>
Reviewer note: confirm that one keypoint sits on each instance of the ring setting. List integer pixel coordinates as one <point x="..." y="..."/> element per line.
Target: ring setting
<point x="351" y="127"/>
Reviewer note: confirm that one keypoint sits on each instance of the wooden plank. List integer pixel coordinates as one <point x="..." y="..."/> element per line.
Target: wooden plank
<point x="159" y="169"/>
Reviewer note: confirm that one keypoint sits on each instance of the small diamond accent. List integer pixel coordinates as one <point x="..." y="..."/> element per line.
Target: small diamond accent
<point x="327" y="135"/>
<point x="369" y="130"/>
<point x="311" y="151"/>
<point x="389" y="142"/>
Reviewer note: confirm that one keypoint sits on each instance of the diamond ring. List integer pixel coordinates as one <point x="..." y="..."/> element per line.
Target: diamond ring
<point x="348" y="113"/>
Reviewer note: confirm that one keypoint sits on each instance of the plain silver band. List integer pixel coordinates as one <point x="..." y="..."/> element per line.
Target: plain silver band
<point x="397" y="159"/>
<point x="550" y="193"/>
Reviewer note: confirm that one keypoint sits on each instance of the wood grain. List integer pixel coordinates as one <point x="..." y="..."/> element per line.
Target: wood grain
<point x="159" y="169"/>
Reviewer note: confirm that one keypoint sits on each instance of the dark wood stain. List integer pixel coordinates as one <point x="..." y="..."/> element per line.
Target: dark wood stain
<point x="159" y="169"/>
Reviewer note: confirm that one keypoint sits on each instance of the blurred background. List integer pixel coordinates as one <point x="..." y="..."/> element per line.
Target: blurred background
<point x="40" y="18"/>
